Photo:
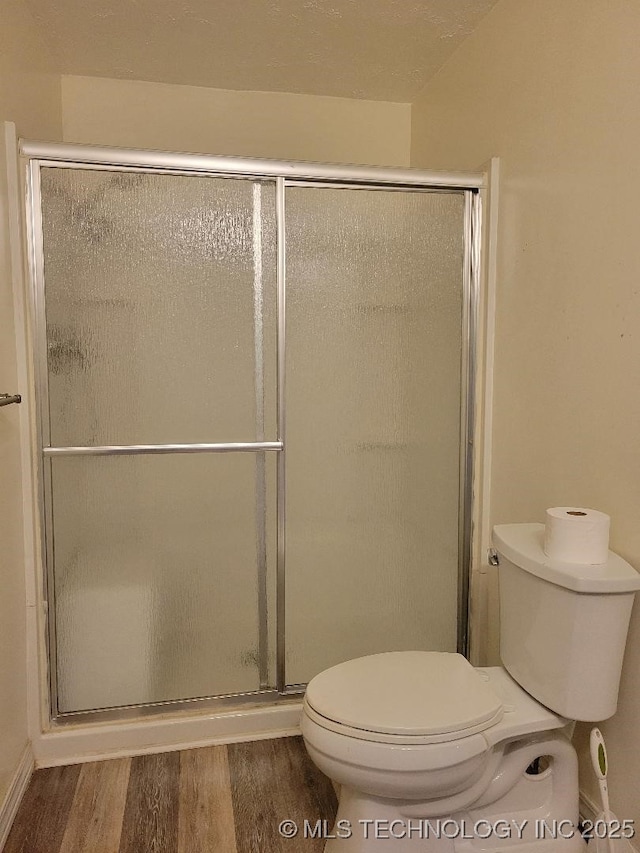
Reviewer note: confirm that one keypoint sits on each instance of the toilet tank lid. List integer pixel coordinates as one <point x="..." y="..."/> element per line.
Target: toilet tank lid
<point x="411" y="693"/>
<point x="522" y="544"/>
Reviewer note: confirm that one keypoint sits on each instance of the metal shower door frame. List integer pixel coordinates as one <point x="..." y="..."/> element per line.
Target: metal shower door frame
<point x="284" y="174"/>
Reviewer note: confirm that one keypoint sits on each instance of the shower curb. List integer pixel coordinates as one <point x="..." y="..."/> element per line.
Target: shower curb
<point x="76" y="744"/>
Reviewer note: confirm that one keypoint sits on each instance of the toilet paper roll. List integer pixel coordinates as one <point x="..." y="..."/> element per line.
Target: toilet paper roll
<point x="576" y="535"/>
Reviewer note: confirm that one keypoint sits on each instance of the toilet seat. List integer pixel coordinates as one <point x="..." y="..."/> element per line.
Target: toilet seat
<point x="404" y="698"/>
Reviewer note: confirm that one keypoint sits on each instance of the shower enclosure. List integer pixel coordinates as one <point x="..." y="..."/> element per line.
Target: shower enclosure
<point x="234" y="497"/>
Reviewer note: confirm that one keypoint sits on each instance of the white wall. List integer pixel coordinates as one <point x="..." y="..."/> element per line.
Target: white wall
<point x="29" y="97"/>
<point x="217" y="121"/>
<point x="552" y="88"/>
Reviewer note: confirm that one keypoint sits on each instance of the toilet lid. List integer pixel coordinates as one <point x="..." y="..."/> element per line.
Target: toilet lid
<point x="406" y="693"/>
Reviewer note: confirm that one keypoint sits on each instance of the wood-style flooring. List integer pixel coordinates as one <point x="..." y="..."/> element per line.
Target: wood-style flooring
<point x="218" y="799"/>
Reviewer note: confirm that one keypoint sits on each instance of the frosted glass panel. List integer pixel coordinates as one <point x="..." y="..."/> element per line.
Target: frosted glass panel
<point x="156" y="577"/>
<point x="374" y="318"/>
<point x="159" y="300"/>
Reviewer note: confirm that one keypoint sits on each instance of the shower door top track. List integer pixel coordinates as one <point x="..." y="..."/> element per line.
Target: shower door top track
<point x="283" y="174"/>
<point x="87" y="155"/>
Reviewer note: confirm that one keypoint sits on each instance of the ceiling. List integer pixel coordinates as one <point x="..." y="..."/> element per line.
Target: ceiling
<point x="375" y="49"/>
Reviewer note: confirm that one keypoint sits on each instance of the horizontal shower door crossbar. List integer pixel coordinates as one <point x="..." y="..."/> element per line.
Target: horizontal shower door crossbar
<point x="151" y="449"/>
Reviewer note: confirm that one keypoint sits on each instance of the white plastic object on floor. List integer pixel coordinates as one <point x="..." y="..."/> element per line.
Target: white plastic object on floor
<point x="606" y="817"/>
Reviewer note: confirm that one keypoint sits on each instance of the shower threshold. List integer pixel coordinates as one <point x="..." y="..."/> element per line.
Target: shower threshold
<point x="163" y="727"/>
<point x="179" y="707"/>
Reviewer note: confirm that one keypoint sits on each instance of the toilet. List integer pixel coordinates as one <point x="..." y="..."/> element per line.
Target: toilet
<point x="432" y="754"/>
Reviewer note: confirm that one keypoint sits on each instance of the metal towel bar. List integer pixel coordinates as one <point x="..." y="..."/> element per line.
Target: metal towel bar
<point x="7" y="399"/>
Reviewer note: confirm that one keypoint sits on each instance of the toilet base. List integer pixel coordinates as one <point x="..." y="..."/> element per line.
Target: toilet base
<point x="518" y="811"/>
<point x="365" y="824"/>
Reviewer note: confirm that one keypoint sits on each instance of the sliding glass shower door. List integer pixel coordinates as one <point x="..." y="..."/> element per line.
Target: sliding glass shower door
<point x="159" y="306"/>
<point x="254" y="423"/>
<point x="374" y="379"/>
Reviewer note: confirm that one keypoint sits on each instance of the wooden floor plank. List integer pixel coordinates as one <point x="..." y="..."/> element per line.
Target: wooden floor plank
<point x="40" y="823"/>
<point x="314" y="793"/>
<point x="205" y="815"/>
<point x="272" y="781"/>
<point x="150" y="823"/>
<point x="94" y="824"/>
<point x="210" y="800"/>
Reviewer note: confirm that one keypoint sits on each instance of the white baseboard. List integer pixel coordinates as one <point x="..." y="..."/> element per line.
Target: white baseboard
<point x="590" y="811"/>
<point x="13" y="798"/>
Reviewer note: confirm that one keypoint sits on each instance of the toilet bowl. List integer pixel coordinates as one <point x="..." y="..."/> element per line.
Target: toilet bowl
<point x="433" y="754"/>
<point x="455" y="761"/>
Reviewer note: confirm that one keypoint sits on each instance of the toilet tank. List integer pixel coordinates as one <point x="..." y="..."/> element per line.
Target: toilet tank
<point x="563" y="626"/>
